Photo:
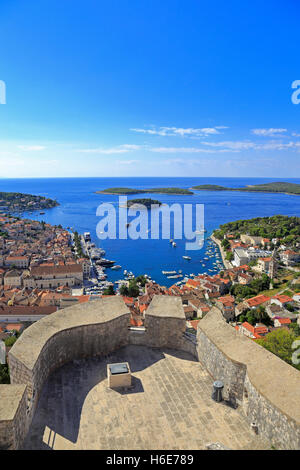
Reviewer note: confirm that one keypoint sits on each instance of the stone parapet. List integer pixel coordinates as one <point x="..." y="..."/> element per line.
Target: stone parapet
<point x="95" y="328"/>
<point x="13" y="416"/>
<point x="267" y="387"/>
<point x="165" y="322"/>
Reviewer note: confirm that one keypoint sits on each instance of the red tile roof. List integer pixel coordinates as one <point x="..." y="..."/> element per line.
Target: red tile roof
<point x="226" y="299"/>
<point x="284" y="321"/>
<point x="193" y="283"/>
<point x="14" y="326"/>
<point x="255" y="330"/>
<point x="26" y="310"/>
<point x="194" y="324"/>
<point x="143" y="307"/>
<point x="257" y="300"/>
<point x="128" y="300"/>
<point x="42" y="270"/>
<point x="282" y="298"/>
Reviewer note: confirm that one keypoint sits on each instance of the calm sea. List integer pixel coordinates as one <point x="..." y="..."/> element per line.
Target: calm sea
<point x="78" y="204"/>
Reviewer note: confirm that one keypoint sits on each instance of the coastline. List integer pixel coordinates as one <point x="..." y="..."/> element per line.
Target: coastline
<point x="245" y="190"/>
<point x="226" y="263"/>
<point x="78" y="203"/>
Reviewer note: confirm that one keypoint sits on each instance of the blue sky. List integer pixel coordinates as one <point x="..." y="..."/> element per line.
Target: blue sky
<point x="149" y="88"/>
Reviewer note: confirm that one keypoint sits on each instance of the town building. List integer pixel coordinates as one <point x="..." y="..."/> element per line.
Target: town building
<point x="13" y="278"/>
<point x="251" y="240"/>
<point x="254" y="332"/>
<point x="258" y="300"/>
<point x="49" y="277"/>
<point x="290" y="257"/>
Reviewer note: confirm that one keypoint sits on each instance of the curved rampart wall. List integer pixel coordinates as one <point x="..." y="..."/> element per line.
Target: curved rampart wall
<point x="266" y="387"/>
<point x="85" y="330"/>
<point x="91" y="329"/>
<point x="252" y="376"/>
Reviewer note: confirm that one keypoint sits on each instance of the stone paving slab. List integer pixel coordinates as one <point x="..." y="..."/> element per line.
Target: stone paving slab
<point x="169" y="407"/>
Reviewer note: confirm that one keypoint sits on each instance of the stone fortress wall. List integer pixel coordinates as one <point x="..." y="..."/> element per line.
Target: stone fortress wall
<point x="266" y="387"/>
<point x="252" y="376"/>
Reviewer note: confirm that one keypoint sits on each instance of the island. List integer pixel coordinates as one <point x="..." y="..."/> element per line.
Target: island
<point x="128" y="191"/>
<point x="19" y="202"/>
<point x="175" y="191"/>
<point x="275" y="187"/>
<point x="145" y="202"/>
<point x="120" y="191"/>
<point x="210" y="187"/>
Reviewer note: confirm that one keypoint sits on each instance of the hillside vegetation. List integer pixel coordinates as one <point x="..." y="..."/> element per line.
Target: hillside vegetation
<point x="19" y="202"/>
<point x="278" y="187"/>
<point x="125" y="191"/>
<point x="145" y="202"/>
<point x="121" y="191"/>
<point x="278" y="226"/>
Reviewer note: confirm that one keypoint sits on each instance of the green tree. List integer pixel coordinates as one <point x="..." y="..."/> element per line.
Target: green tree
<point x="295" y="329"/>
<point x="141" y="280"/>
<point x="133" y="289"/>
<point x="252" y="263"/>
<point x="123" y="290"/>
<point x="4" y="374"/>
<point x="109" y="291"/>
<point x="279" y="342"/>
<point x="290" y="308"/>
<point x="10" y="341"/>
<point x="225" y="243"/>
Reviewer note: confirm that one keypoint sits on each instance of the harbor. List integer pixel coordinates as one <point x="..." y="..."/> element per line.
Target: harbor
<point x="96" y="281"/>
<point x="104" y="272"/>
<point x="77" y="210"/>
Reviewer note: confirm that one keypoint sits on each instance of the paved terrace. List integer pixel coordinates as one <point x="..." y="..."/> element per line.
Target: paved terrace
<point x="169" y="407"/>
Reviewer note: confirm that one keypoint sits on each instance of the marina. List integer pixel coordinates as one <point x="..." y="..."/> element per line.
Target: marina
<point x="102" y="268"/>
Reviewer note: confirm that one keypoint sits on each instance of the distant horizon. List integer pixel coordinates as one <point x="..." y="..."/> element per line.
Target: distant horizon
<point x="279" y="179"/>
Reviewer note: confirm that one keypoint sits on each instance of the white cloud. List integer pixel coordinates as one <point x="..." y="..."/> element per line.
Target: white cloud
<point x="248" y="145"/>
<point x="125" y="148"/>
<point x="232" y="145"/>
<point x="180" y="131"/>
<point x="131" y="146"/>
<point x="150" y="131"/>
<point x="184" y="150"/>
<point x="189" y="162"/>
<point x="268" y="132"/>
<point x="127" y="162"/>
<point x="31" y="148"/>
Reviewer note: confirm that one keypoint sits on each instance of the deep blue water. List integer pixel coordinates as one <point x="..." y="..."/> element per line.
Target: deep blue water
<point x="78" y="204"/>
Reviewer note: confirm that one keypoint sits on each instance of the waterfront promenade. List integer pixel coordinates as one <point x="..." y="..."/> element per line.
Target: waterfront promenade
<point x="226" y="263"/>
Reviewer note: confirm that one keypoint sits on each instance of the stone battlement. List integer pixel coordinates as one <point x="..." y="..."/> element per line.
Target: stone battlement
<point x="267" y="387"/>
<point x="253" y="377"/>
